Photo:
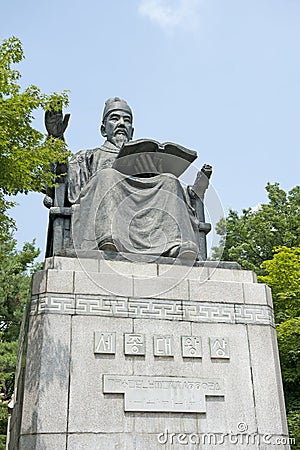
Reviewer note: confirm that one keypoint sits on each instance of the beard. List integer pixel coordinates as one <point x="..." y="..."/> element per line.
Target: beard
<point x="119" y="139"/>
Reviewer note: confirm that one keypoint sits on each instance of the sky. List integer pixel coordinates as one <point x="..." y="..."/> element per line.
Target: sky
<point x="221" y="77"/>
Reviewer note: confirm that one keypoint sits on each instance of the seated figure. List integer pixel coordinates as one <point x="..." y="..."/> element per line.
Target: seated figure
<point x="148" y="213"/>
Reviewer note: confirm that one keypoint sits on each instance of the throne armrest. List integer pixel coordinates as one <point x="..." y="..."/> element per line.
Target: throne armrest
<point x="59" y="230"/>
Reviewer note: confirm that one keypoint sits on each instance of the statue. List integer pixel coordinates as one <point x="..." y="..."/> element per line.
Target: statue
<point x="147" y="212"/>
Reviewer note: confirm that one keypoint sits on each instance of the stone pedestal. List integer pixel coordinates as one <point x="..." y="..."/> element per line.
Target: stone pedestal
<point x="128" y="355"/>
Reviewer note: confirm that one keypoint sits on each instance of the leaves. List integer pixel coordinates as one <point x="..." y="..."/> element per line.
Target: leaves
<point x="16" y="268"/>
<point x="249" y="238"/>
<point x="26" y="158"/>
<point x="266" y="239"/>
<point x="25" y="155"/>
<point x="288" y="333"/>
<point x="283" y="277"/>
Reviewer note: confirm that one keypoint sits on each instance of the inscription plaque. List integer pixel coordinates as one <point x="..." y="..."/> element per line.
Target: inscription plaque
<point x="104" y="342"/>
<point x="219" y="347"/>
<point x="191" y="346"/>
<point x="163" y="345"/>
<point x="163" y="394"/>
<point x="134" y="344"/>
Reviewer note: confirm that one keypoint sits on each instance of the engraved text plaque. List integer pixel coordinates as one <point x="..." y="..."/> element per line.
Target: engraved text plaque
<point x="163" y="394"/>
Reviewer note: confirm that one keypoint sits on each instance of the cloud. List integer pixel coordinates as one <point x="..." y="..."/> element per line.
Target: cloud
<point x="256" y="208"/>
<point x="171" y="14"/>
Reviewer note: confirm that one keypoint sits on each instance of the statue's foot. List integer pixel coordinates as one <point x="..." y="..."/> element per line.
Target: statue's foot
<point x="187" y="250"/>
<point x="107" y="246"/>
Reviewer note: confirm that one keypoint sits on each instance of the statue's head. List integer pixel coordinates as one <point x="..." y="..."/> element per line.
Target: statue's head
<point x="117" y="121"/>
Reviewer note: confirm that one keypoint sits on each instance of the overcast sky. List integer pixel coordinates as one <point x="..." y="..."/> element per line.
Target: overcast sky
<point x="218" y="76"/>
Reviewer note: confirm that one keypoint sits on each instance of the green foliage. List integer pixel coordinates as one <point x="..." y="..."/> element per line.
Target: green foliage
<point x="288" y="333"/>
<point x="249" y="238"/>
<point x="283" y="277"/>
<point x="16" y="268"/>
<point x="25" y="160"/>
<point x="3" y="423"/>
<point x="25" y="155"/>
<point x="294" y="426"/>
<point x="267" y="240"/>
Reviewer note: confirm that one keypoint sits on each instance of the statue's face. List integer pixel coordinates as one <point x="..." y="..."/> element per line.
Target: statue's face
<point x="118" y="127"/>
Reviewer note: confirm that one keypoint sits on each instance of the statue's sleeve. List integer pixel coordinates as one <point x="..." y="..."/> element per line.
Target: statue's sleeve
<point x="78" y="176"/>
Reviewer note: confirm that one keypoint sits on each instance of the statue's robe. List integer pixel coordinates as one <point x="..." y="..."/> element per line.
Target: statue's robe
<point x="139" y="215"/>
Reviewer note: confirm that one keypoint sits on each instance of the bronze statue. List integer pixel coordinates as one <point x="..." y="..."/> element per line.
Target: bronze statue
<point x="145" y="212"/>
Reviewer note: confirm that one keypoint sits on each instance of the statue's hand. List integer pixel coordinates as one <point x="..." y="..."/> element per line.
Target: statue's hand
<point x="202" y="181"/>
<point x="48" y="201"/>
<point x="207" y="170"/>
<point x="56" y="124"/>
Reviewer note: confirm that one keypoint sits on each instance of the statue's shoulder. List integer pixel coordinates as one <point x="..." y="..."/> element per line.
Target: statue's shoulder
<point x="83" y="155"/>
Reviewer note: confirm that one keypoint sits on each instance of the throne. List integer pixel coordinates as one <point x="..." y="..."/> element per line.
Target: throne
<point x="59" y="236"/>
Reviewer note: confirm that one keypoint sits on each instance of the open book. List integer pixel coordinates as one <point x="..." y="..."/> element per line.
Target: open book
<point x="146" y="156"/>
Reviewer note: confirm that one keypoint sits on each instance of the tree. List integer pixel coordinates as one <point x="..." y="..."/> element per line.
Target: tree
<point x="26" y="161"/>
<point x="288" y="334"/>
<point x="283" y="276"/>
<point x="266" y="240"/>
<point x="25" y="156"/>
<point x="16" y="268"/>
<point x="249" y="238"/>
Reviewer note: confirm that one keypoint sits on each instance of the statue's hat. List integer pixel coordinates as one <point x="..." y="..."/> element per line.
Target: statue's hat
<point x="113" y="104"/>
